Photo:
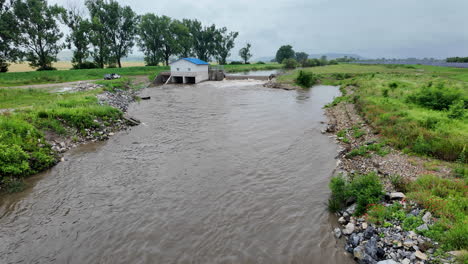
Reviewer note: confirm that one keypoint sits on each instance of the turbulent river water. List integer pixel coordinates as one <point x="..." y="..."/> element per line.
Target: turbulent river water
<point x="218" y="172"/>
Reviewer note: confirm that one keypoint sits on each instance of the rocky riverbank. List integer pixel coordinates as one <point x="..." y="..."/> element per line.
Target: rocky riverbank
<point x="363" y="151"/>
<point x="119" y="98"/>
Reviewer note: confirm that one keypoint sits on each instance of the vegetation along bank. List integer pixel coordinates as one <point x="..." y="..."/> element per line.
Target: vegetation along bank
<point x="401" y="185"/>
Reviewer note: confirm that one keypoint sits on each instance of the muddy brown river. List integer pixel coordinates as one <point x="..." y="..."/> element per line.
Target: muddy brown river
<point x="219" y="172"/>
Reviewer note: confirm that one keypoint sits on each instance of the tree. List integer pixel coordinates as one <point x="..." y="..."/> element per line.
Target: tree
<point x="9" y="32"/>
<point x="150" y="38"/>
<point x="99" y="37"/>
<point x="301" y="57"/>
<point x="40" y="33"/>
<point x="245" y="54"/>
<point x="121" y="24"/>
<point x="323" y="60"/>
<point x="203" y="38"/>
<point x="224" y="44"/>
<point x="79" y="36"/>
<point x="285" y="52"/>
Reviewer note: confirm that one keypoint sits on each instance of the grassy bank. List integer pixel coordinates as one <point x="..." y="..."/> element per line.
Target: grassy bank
<point x="419" y="109"/>
<point x="252" y="67"/>
<point x="40" y="114"/>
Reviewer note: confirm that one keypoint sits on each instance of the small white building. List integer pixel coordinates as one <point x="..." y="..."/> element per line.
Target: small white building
<point x="189" y="70"/>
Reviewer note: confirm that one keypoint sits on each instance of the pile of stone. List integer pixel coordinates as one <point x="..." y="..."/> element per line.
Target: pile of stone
<point x="99" y="133"/>
<point x="120" y="99"/>
<point x="80" y="87"/>
<point x="371" y="244"/>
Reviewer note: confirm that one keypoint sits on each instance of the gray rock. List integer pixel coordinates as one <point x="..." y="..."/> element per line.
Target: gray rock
<point x="350" y="210"/>
<point x="420" y="255"/>
<point x="358" y="252"/>
<point x="388" y="261"/>
<point x="408" y="243"/>
<point x="405" y="261"/>
<point x="371" y="248"/>
<point x="354" y="240"/>
<point x="369" y="232"/>
<point x="422" y="227"/>
<point x="427" y="218"/>
<point x="367" y="260"/>
<point x="397" y="196"/>
<point x="337" y="232"/>
<point x="349" y="229"/>
<point x="342" y="220"/>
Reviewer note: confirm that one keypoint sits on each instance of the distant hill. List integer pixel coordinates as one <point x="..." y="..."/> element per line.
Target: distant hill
<point x="330" y="56"/>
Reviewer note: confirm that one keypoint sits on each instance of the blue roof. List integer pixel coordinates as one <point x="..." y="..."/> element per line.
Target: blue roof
<point x="196" y="61"/>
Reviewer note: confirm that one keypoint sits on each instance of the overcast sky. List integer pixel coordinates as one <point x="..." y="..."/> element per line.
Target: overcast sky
<point x="370" y="28"/>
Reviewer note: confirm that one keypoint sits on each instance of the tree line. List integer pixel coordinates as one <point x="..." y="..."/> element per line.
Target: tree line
<point x="101" y="34"/>
<point x="458" y="59"/>
<point x="291" y="59"/>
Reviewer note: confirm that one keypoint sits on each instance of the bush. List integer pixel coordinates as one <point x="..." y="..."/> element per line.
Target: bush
<point x="260" y="62"/>
<point x="457" y="109"/>
<point x="236" y="62"/>
<point x="86" y="65"/>
<point x="311" y="63"/>
<point x="290" y="63"/>
<point x="436" y="98"/>
<point x="13" y="161"/>
<point x="306" y="79"/>
<point x="46" y="68"/>
<point x="365" y="189"/>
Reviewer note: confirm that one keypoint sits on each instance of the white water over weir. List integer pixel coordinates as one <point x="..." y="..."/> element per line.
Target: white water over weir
<point x="218" y="172"/>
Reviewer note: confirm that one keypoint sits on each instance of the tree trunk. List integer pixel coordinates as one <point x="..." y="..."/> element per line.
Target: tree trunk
<point x="119" y="62"/>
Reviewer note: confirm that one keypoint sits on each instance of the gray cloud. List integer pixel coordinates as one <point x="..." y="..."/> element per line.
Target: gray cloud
<point x="370" y="28"/>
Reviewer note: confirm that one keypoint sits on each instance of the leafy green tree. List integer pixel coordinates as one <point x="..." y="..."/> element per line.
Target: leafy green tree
<point x="285" y="52"/>
<point x="9" y="32"/>
<point x="121" y="24"/>
<point x="99" y="36"/>
<point x="150" y="39"/>
<point x="204" y="43"/>
<point x="245" y="54"/>
<point x="301" y="57"/>
<point x="79" y="36"/>
<point x="224" y="44"/>
<point x="40" y="34"/>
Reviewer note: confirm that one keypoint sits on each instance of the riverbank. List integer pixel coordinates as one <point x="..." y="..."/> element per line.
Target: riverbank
<point x="39" y="125"/>
<point x="394" y="200"/>
<point x="402" y="175"/>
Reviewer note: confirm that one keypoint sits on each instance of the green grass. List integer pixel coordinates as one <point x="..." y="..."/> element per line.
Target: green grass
<point x="393" y="98"/>
<point x="252" y="67"/>
<point x="23" y="149"/>
<point x="45" y="77"/>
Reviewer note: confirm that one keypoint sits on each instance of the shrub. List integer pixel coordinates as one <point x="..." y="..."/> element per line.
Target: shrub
<point x="365" y="189"/>
<point x="85" y="65"/>
<point x="311" y="63"/>
<point x="290" y="63"/>
<point x="236" y="62"/>
<point x="13" y="161"/>
<point x="260" y="62"/>
<point x="306" y="79"/>
<point x="411" y="222"/>
<point x="436" y="98"/>
<point x="457" y="109"/>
